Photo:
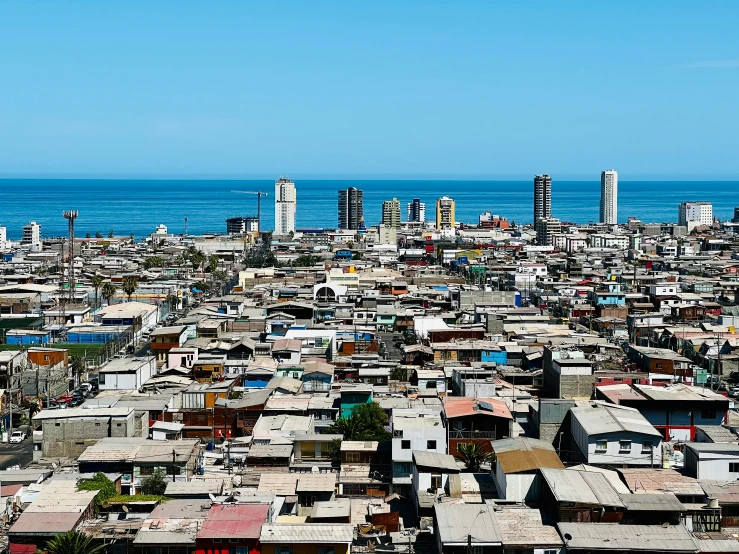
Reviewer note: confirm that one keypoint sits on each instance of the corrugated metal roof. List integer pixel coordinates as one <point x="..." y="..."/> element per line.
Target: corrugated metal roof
<point x="460" y="406"/>
<point x="523" y="527"/>
<point x="426" y="459"/>
<point x="612" y="536"/>
<point x="657" y="502"/>
<point x="234" y="521"/>
<point x="524" y="454"/>
<point x="280" y="484"/>
<point x="320" y="533"/>
<point x="456" y="521"/>
<point x="341" y="507"/>
<point x="641" y="480"/>
<point x="604" y="419"/>
<point x="318" y="482"/>
<point x="45" y="523"/>
<point x="581" y="487"/>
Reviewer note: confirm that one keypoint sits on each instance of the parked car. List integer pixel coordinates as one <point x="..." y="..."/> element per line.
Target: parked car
<point x="17" y="436"/>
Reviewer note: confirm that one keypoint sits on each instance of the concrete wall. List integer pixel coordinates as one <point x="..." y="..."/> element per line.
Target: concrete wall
<point x="70" y="437"/>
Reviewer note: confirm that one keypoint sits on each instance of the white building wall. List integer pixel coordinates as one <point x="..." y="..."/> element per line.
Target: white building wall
<point x="609" y="197"/>
<point x="717" y="467"/>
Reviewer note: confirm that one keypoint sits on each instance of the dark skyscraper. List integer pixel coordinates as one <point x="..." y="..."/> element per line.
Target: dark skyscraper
<point x="542" y="197"/>
<point x="351" y="212"/>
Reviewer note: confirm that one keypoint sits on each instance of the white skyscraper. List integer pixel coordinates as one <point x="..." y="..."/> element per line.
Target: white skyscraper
<point x="32" y="235"/>
<point x="609" y="197"/>
<point x="286" y="203"/>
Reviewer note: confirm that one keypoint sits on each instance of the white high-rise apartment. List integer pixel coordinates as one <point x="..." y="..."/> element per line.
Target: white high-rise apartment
<point x="542" y="197"/>
<point x="700" y="213"/>
<point x="286" y="204"/>
<point x="32" y="235"/>
<point x="3" y="238"/>
<point x="609" y="197"/>
<point x="416" y="211"/>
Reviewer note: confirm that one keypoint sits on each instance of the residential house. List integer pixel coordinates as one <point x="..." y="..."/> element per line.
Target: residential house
<point x="517" y="464"/>
<point x="611" y="538"/>
<point x="311" y="450"/>
<point x="126" y="373"/>
<point x="431" y="472"/>
<point x="172" y="527"/>
<point x="306" y="538"/>
<point x="715" y="461"/>
<point x="366" y="468"/>
<point x="312" y="488"/>
<point x="478" y="420"/>
<point x="569" y="495"/>
<point x="164" y="339"/>
<point x="234" y="528"/>
<point x="611" y="434"/>
<point x="414" y="430"/>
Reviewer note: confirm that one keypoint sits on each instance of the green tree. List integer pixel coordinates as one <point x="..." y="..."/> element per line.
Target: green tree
<point x="78" y="365"/>
<point x="108" y="292"/>
<point x="129" y="285"/>
<point x="154" y="261"/>
<point x="473" y="454"/>
<point x="99" y="482"/>
<point x="73" y="542"/>
<point x="212" y="263"/>
<point x="366" y="423"/>
<point x="97" y="282"/>
<point x="306" y="260"/>
<point x="154" y="484"/>
<point x="197" y="258"/>
<point x="399" y="374"/>
<point x="111" y="234"/>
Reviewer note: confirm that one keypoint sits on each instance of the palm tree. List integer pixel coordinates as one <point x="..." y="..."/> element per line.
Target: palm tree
<point x="129" y="285"/>
<point x="108" y="292"/>
<point x="97" y="282"/>
<point x="73" y="542"/>
<point x="473" y="455"/>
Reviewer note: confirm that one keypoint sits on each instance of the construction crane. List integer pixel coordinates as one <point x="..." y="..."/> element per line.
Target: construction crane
<point x="259" y="194"/>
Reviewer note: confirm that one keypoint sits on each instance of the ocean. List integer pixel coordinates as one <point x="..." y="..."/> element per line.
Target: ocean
<point x="138" y="206"/>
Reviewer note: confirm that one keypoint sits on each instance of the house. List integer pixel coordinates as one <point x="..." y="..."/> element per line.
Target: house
<point x="166" y="431"/>
<point x="69" y="432"/>
<point x="282" y="486"/>
<point x="727" y="494"/>
<point x="516" y="467"/>
<point x="611" y="434"/>
<point x="611" y="538"/>
<point x="306" y="538"/>
<point x="352" y="396"/>
<point x="164" y="339"/>
<point x="451" y="521"/>
<point x="579" y="496"/>
<point x="660" y="361"/>
<point x="715" y="461"/>
<point x="429" y="382"/>
<point x="314" y="450"/>
<point x="652" y="509"/>
<point x="232" y="527"/>
<point x="366" y="468"/>
<point x="674" y="411"/>
<point x="645" y="480"/>
<point x="136" y="315"/>
<point x="287" y="351"/>
<point x="476" y="420"/>
<point x="414" y="430"/>
<point x="317" y="376"/>
<point x="58" y="508"/>
<point x="126" y="373"/>
<point x="431" y="473"/>
<point x="172" y="527"/>
<point x="312" y="488"/>
<point x="138" y="458"/>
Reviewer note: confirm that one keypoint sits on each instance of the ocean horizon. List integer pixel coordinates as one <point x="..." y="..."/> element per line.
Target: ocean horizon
<point x="137" y="206"/>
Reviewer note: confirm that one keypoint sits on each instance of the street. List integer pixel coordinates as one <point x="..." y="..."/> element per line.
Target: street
<point x="16" y="454"/>
<point x="393" y="353"/>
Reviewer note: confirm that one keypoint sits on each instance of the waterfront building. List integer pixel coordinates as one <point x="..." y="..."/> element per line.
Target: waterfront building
<point x="609" y="197"/>
<point x="3" y="238"/>
<point x="542" y="197"/>
<point x="546" y="228"/>
<point x="32" y="235"/>
<point x="735" y="219"/>
<point x="285" y="206"/>
<point x="391" y="213"/>
<point x="445" y="213"/>
<point x="351" y="210"/>
<point x="416" y="211"/>
<point x="698" y="213"/>
<point x="242" y="225"/>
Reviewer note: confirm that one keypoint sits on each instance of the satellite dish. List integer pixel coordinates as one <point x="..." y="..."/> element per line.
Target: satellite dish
<point x="212" y="497"/>
<point x="125" y="509"/>
<point x="315" y="469"/>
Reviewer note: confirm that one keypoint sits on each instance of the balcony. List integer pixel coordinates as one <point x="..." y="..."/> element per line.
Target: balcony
<point x="459" y="434"/>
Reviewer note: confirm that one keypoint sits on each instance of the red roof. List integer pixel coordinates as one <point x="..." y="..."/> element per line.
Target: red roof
<point x="234" y="521"/>
<point x="45" y="523"/>
<point x="460" y="406"/>
<point x="9" y="490"/>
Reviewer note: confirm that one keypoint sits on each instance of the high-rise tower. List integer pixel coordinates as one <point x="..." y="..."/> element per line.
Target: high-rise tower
<point x="542" y="197"/>
<point x="391" y="213"/>
<point x="416" y="211"/>
<point x="445" y="213"/>
<point x="609" y="197"/>
<point x="351" y="209"/>
<point x="286" y="204"/>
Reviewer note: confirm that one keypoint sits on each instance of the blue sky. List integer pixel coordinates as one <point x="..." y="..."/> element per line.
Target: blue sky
<point x="333" y="89"/>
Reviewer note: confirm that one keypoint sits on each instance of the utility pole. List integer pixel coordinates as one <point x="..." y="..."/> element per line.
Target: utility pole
<point x="174" y="463"/>
<point x="469" y="544"/>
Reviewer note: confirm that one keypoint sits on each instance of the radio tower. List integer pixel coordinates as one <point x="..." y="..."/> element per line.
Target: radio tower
<point x="70" y="216"/>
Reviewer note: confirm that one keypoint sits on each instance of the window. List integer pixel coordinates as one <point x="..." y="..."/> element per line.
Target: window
<point x="624" y="446"/>
<point x="430" y="445"/>
<point x="646" y="447"/>
<point x="446" y="355"/>
<point x="734" y="467"/>
<point x="217" y="540"/>
<point x="601" y="445"/>
<point x="325" y="550"/>
<point x="658" y="365"/>
<point x="430" y="384"/>
<point x="397" y="433"/>
<point x="233" y="540"/>
<point x="352" y="457"/>
<point x="708" y="414"/>
<point x="97" y="425"/>
<point x="101" y="379"/>
<point x="146" y="470"/>
<point x="242" y="550"/>
<point x="405" y="445"/>
<point x="283" y="550"/>
<point x="436" y="481"/>
<point x="307" y="501"/>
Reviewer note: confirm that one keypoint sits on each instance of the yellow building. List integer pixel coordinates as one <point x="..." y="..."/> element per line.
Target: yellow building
<point x="445" y="213"/>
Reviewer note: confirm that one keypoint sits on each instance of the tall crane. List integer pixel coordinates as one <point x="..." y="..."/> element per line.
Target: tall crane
<point x="259" y="194"/>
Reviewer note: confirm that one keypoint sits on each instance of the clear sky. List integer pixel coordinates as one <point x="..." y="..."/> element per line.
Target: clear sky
<point x="491" y="89"/>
